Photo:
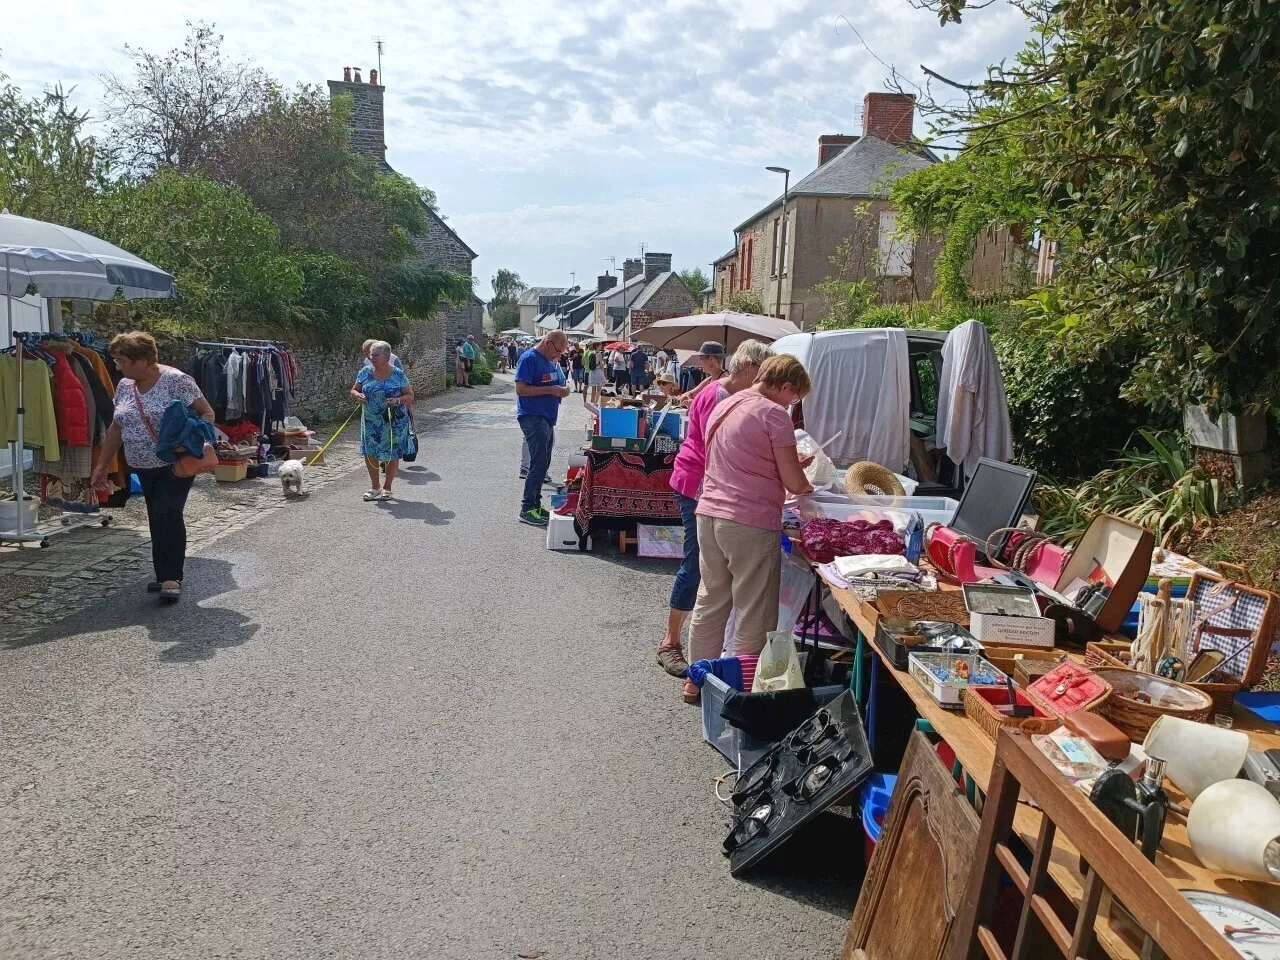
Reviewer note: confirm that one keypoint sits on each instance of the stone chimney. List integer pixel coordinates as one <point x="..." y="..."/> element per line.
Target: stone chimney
<point x="831" y="145"/>
<point x="656" y="264"/>
<point x="346" y="74"/>
<point x="606" y="281"/>
<point x="373" y="77"/>
<point x="888" y="116"/>
<point x="631" y="268"/>
<point x="367" y="134"/>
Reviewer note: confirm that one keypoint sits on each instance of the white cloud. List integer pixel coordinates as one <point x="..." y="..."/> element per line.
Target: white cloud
<point x="546" y="127"/>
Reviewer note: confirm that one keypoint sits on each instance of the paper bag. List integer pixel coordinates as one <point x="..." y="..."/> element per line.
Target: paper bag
<point x="779" y="667"/>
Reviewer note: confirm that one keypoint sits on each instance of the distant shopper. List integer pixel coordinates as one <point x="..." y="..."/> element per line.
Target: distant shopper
<point x="461" y="364"/>
<point x="540" y="386"/>
<point x="502" y="356"/>
<point x="142" y="398"/>
<point x="639" y="361"/>
<point x="595" y="373"/>
<point x="387" y="398"/>
<point x="579" y="369"/>
<point x="395" y="361"/>
<point x="621" y="374"/>
<point x="513" y="355"/>
<point x="751" y="465"/>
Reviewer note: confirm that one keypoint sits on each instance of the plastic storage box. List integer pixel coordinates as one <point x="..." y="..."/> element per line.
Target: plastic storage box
<point x="561" y="533"/>
<point x="739" y="748"/>
<point x="670" y="424"/>
<point x="621" y="422"/>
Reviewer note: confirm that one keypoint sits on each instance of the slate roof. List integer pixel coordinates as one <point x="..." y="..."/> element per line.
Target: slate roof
<point x="629" y="288"/>
<point x="531" y="294"/>
<point x="859" y="170"/>
<point x="650" y="288"/>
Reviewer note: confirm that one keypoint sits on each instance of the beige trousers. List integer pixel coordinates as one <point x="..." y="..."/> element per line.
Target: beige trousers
<point x="741" y="567"/>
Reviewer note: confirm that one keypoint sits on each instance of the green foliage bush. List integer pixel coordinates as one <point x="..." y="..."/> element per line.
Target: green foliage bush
<point x="481" y="373"/>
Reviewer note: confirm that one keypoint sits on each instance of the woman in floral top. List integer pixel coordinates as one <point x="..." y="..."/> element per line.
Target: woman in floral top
<point x="142" y="397"/>
<point x="385" y="426"/>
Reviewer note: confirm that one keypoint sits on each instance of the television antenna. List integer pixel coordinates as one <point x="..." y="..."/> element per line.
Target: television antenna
<point x="378" y="42"/>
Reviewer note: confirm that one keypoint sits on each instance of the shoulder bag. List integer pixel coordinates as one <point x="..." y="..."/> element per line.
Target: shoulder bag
<point x="184" y="466"/>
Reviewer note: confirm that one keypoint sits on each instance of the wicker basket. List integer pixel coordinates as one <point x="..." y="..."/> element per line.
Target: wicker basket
<point x="989" y="720"/>
<point x="1221" y="691"/>
<point x="1133" y="717"/>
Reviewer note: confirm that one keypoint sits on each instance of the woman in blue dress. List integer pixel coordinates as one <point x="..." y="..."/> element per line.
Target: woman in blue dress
<point x="385" y="426"/>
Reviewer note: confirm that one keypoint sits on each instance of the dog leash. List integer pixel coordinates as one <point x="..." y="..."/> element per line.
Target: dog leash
<point x="335" y="436"/>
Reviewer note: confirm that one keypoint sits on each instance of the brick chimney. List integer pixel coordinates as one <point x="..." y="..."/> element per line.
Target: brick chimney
<point x="656" y="264"/>
<point x="367" y="134"/>
<point x="631" y="268"/>
<point x="606" y="281"/>
<point x="888" y="116"/>
<point x="373" y="77"/>
<point x="831" y="145"/>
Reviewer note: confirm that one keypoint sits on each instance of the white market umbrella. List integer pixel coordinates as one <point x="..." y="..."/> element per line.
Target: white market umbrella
<point x="729" y="328"/>
<point x="60" y="262"/>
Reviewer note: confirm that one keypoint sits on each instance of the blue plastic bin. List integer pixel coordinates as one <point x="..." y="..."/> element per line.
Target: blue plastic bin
<point x="876" y="794"/>
<point x="623" y="422"/>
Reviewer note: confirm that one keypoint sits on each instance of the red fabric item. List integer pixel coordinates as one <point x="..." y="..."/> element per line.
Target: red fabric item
<point x="68" y="403"/>
<point x="748" y="662"/>
<point x="245" y="430"/>
<point x="627" y="485"/>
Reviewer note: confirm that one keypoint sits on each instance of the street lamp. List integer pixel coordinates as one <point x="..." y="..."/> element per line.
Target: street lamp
<point x="780" y="240"/>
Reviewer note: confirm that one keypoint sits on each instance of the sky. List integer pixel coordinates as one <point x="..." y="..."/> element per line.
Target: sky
<point x="559" y="133"/>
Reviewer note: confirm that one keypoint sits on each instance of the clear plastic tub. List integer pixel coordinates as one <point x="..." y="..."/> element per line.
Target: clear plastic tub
<point x="740" y="748"/>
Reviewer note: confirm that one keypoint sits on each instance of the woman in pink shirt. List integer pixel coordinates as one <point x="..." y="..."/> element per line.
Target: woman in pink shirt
<point x="686" y="481"/>
<point x="751" y="464"/>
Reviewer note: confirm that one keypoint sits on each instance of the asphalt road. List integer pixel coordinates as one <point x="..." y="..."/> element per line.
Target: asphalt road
<point x="384" y="731"/>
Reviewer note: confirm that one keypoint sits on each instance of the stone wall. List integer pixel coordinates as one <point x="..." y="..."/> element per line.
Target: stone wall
<point x="643" y="318"/>
<point x="367" y="132"/>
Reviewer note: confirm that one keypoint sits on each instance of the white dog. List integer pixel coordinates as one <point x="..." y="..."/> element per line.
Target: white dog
<point x="291" y="474"/>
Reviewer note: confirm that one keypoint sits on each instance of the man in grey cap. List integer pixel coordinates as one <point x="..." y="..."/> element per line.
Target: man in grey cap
<point x="710" y="359"/>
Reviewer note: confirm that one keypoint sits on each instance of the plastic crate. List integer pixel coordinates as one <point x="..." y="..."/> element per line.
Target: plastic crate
<point x="740" y="748"/>
<point x="620" y="422"/>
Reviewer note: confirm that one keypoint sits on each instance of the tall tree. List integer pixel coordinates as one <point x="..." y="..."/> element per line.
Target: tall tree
<point x="50" y="169"/>
<point x="507" y="287"/>
<point x="176" y="105"/>
<point x="1153" y="141"/>
<point x="695" y="281"/>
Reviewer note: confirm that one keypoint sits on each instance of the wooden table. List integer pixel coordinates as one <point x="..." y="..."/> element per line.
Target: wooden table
<point x="976" y="754"/>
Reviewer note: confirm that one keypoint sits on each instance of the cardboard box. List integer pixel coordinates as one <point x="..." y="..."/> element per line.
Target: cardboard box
<point x="1007" y="616"/>
<point x="1122" y="552"/>
<point x="230" y="472"/>
<point x="618" y="443"/>
<point x="306" y="454"/>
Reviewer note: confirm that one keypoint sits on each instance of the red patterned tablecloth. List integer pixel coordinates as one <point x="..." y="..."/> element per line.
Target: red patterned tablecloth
<point x="626" y="486"/>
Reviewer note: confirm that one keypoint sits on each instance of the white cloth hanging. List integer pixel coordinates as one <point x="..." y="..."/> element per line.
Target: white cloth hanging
<point x="237" y="371"/>
<point x="973" y="412"/>
<point x="861" y="391"/>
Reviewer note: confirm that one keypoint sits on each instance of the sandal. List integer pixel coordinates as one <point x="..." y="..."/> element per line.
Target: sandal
<point x="385" y="495"/>
<point x="372" y="495"/>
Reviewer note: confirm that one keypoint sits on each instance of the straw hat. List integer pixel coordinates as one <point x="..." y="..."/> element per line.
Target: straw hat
<point x="870" y="479"/>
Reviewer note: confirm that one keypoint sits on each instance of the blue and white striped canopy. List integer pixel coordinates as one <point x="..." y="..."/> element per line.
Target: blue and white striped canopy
<point x="61" y="262"/>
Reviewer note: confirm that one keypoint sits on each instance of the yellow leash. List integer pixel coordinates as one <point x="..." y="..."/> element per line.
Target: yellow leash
<point x="336" y="435"/>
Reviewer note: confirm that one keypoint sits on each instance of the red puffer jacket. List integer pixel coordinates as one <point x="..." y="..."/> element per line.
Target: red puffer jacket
<point x="68" y="403"/>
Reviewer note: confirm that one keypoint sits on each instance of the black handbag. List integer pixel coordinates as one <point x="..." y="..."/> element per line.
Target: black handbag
<point x="410" y="452"/>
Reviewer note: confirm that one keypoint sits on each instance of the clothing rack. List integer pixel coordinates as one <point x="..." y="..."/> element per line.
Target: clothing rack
<point x="66" y="521"/>
<point x="248" y="344"/>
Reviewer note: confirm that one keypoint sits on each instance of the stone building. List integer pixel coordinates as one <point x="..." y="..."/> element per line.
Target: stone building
<point x="650" y="291"/>
<point x="781" y="255"/>
<point x="440" y="246"/>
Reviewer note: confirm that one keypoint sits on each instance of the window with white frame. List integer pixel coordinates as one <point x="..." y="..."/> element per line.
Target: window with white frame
<point x="777" y="246"/>
<point x="894" y="250"/>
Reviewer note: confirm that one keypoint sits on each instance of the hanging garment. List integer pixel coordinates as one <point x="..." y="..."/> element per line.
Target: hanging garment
<point x="973" y="412"/>
<point x="103" y="402"/>
<point x="117" y="469"/>
<point x="90" y="402"/>
<point x="40" y="424"/>
<point x="68" y="403"/>
<point x="235" y="385"/>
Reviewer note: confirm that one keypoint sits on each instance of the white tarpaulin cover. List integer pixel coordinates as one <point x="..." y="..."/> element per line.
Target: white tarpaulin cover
<point x="861" y="390"/>
<point x="973" y="412"/>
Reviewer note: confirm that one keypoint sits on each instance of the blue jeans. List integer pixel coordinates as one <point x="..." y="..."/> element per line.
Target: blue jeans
<point x="540" y="435"/>
<point x="685" y="590"/>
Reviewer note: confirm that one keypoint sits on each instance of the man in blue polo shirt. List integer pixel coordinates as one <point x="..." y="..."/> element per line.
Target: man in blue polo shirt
<point x="540" y="387"/>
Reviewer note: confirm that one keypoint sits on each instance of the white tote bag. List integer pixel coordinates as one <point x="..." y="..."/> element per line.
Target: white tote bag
<point x="779" y="666"/>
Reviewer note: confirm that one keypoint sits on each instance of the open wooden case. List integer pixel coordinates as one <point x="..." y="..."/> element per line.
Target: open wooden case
<point x="1122" y="551"/>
